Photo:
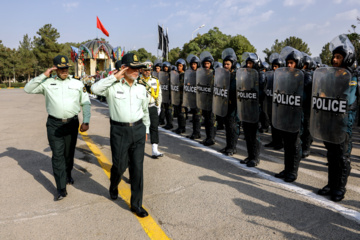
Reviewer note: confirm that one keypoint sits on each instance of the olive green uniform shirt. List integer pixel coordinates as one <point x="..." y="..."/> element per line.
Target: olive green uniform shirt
<point x="63" y="98"/>
<point x="126" y="104"/>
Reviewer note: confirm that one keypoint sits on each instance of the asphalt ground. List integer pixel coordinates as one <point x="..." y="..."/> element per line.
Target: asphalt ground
<point x="193" y="192"/>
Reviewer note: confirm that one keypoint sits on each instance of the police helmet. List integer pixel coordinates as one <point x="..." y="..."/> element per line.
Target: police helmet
<point x="206" y="57"/>
<point x="182" y="62"/>
<point x="191" y="58"/>
<point x="342" y="45"/>
<point x="253" y="57"/>
<point x="229" y="55"/>
<point x="265" y="66"/>
<point x="166" y="64"/>
<point x="157" y="63"/>
<point x="173" y="68"/>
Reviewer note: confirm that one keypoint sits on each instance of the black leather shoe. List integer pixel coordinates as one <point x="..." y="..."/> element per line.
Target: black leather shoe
<point x="139" y="211"/>
<point x="61" y="194"/>
<point x="280" y="174"/>
<point x="252" y="163"/>
<point x="271" y="144"/>
<point x="325" y="191"/>
<point x="337" y="195"/>
<point x="245" y="161"/>
<point x="113" y="193"/>
<point x="230" y="152"/>
<point x="290" y="178"/>
<point x="305" y="154"/>
<point x="168" y="127"/>
<point x="70" y="180"/>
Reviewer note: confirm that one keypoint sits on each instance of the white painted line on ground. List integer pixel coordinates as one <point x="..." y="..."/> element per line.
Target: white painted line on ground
<point x="346" y="212"/>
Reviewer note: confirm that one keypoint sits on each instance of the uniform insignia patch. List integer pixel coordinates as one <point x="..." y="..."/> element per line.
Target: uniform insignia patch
<point x="84" y="89"/>
<point x="353" y="83"/>
<point x="63" y="60"/>
<point x="135" y="58"/>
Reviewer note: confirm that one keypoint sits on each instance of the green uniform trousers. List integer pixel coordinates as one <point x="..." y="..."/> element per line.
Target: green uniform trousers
<point x="62" y="139"/>
<point x="127" y="149"/>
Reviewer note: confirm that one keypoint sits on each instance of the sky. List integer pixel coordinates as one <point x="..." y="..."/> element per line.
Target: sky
<point x="133" y="24"/>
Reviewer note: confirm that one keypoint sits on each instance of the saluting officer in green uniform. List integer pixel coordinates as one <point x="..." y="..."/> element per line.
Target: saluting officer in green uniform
<point x="129" y="126"/>
<point x="64" y="96"/>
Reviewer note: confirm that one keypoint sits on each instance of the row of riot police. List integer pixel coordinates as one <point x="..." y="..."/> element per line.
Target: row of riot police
<point x="300" y="104"/>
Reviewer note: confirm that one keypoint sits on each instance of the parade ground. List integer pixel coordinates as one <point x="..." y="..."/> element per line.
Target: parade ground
<point x="193" y="192"/>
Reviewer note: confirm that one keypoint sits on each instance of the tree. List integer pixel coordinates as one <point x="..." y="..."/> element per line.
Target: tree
<point x="326" y="55"/>
<point x="27" y="57"/>
<point x="174" y="55"/>
<point x="215" y="42"/>
<point x="354" y="37"/>
<point x="294" y="42"/>
<point x="46" y="46"/>
<point x="143" y="55"/>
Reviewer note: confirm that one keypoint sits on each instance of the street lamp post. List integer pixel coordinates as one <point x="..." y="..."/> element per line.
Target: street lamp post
<point x="192" y="35"/>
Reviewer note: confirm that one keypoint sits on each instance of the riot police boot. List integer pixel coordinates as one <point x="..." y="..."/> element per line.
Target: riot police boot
<point x="253" y="163"/>
<point x="223" y="150"/>
<point x="161" y="122"/>
<point x="69" y="180"/>
<point x="270" y="144"/>
<point x="290" y="177"/>
<point x="280" y="174"/>
<point x="168" y="126"/>
<point x="209" y="142"/>
<point x="113" y="192"/>
<point x="179" y="130"/>
<point x="194" y="136"/>
<point x="305" y="153"/>
<point x="325" y="191"/>
<point x="230" y="152"/>
<point x="245" y="161"/>
<point x="337" y="195"/>
<point x="278" y="146"/>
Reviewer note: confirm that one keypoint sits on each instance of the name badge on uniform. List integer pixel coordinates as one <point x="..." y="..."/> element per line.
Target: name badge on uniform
<point x="153" y="84"/>
<point x="120" y="94"/>
<point x="53" y="86"/>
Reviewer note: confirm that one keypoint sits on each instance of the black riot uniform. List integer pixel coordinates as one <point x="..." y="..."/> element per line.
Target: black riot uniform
<point x="231" y="120"/>
<point x="251" y="132"/>
<point x="196" y="112"/>
<point x="338" y="154"/>
<point x="166" y="108"/>
<point x="306" y="138"/>
<point x="292" y="141"/>
<point x="209" y="117"/>
<point x="277" y="62"/>
<point x="179" y="110"/>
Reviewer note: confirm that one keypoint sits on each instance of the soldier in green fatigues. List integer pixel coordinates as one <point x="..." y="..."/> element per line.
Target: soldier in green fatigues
<point x="129" y="121"/>
<point x="64" y="96"/>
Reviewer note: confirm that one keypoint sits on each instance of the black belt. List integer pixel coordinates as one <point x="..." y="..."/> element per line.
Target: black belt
<point x="64" y="120"/>
<point x="124" y="124"/>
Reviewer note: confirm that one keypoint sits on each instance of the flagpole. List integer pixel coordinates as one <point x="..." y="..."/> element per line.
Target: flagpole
<point x="162" y="47"/>
<point x="167" y="42"/>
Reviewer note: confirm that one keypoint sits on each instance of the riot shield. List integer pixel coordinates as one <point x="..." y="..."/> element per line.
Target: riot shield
<point x="155" y="74"/>
<point x="247" y="87"/>
<point x="164" y="80"/>
<point x="175" y="88"/>
<point x="204" y="89"/>
<point x="221" y="92"/>
<point x="287" y="99"/>
<point x="189" y="97"/>
<point x="269" y="92"/>
<point x="330" y="94"/>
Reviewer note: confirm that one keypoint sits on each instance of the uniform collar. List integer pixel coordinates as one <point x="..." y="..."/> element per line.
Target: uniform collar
<point x="123" y="81"/>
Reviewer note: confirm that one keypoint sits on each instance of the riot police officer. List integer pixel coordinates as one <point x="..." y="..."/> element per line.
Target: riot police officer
<point x="287" y="110"/>
<point x="190" y="95"/>
<point x="253" y="93"/>
<point x="166" y="107"/>
<point x="205" y="83"/>
<point x="305" y="137"/>
<point x="276" y="62"/>
<point x="231" y="121"/>
<point x="177" y="88"/>
<point x="339" y="85"/>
